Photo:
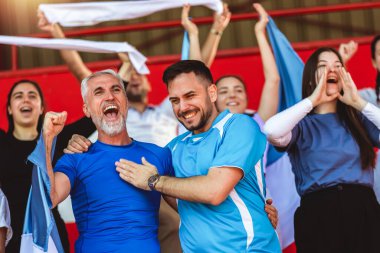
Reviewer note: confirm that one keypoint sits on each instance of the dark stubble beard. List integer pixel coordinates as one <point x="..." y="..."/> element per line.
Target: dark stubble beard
<point x="136" y="98"/>
<point x="204" y="118"/>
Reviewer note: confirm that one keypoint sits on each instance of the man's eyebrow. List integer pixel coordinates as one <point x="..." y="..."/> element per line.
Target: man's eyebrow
<point x="189" y="93"/>
<point x="98" y="88"/>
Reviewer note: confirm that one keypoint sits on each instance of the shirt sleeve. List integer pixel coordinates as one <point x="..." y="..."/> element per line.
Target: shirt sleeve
<point x="242" y="144"/>
<point x="67" y="165"/>
<point x="168" y="165"/>
<point x="256" y="117"/>
<point x="372" y="130"/>
<point x="293" y="139"/>
<point x="5" y="216"/>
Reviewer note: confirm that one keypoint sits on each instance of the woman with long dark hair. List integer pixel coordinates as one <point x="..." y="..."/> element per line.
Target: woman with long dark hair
<point x="329" y="137"/>
<point x="25" y="112"/>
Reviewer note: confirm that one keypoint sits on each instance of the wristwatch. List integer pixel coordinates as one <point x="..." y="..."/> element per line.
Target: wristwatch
<point x="152" y="181"/>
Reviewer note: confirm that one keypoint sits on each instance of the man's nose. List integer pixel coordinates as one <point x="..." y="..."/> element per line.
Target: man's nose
<point x="183" y="105"/>
<point x="109" y="95"/>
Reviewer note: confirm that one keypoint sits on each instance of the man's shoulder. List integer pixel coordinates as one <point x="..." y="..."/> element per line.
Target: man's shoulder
<point x="178" y="138"/>
<point x="239" y="122"/>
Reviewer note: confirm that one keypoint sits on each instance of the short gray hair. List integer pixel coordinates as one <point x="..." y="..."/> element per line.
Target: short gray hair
<point x="84" y="84"/>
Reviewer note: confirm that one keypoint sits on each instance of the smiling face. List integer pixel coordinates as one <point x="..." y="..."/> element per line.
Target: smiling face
<point x="330" y="61"/>
<point x="193" y="101"/>
<point x="25" y="105"/>
<point x="231" y="95"/>
<point x="106" y="103"/>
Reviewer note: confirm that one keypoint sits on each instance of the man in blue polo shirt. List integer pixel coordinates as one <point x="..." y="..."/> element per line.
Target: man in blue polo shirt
<point x="111" y="215"/>
<point x="219" y="180"/>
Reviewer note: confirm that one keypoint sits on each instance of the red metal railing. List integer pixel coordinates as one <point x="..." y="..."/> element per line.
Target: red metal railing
<point x="208" y="20"/>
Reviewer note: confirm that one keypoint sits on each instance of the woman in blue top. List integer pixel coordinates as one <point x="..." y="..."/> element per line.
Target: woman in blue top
<point x="329" y="137"/>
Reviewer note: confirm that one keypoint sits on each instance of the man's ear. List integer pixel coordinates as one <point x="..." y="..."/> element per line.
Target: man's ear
<point x="212" y="92"/>
<point x="85" y="111"/>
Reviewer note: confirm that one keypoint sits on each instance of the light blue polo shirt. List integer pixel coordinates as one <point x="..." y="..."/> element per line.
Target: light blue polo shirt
<point x="239" y="224"/>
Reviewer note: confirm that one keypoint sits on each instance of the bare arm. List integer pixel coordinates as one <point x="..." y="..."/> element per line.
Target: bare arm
<point x="59" y="182"/>
<point x="192" y="29"/>
<point x="71" y="57"/>
<point x="270" y="94"/>
<point x="210" y="47"/>
<point x="212" y="188"/>
<point x="126" y="68"/>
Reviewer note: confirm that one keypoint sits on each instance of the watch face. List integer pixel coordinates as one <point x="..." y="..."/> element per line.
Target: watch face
<point x="152" y="179"/>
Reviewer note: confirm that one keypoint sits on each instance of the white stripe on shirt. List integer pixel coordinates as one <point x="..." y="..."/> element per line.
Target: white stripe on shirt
<point x="245" y="215"/>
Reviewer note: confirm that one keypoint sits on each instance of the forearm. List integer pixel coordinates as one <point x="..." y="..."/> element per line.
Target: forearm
<point x="210" y="47"/>
<point x="48" y="142"/>
<point x="195" y="51"/>
<point x="194" y="189"/>
<point x="71" y="57"/>
<point x="270" y="94"/>
<point x="267" y="57"/>
<point x="125" y="71"/>
<point x="281" y="124"/>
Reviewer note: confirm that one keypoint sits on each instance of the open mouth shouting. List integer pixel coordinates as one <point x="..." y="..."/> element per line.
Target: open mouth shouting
<point x="332" y="79"/>
<point x="111" y="112"/>
<point x="26" y="110"/>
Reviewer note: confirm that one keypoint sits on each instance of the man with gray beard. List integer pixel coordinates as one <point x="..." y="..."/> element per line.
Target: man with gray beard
<point x="111" y="215"/>
<point x="154" y="124"/>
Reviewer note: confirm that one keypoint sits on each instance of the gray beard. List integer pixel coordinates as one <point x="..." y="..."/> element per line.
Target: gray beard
<point x="111" y="129"/>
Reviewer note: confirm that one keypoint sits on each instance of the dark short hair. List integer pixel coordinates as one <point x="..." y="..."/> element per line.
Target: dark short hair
<point x="187" y="66"/>
<point x="373" y="46"/>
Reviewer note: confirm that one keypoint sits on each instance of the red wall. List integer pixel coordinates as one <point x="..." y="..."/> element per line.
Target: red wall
<point x="62" y="92"/>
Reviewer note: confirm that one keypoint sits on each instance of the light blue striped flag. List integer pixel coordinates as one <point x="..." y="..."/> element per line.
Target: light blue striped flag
<point x="40" y="232"/>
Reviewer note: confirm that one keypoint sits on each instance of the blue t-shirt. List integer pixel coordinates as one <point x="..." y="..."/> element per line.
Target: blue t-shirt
<point x="239" y="224"/>
<point x="111" y="214"/>
<point x="323" y="153"/>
